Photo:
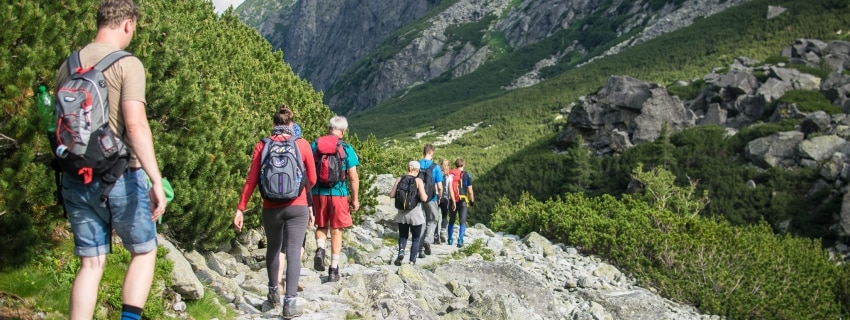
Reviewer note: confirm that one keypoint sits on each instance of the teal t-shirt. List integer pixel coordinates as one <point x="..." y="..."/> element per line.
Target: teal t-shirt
<point x="340" y="189"/>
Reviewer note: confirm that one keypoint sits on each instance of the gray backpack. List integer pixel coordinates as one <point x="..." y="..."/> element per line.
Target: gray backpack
<point x="281" y="170"/>
<point x="86" y="147"/>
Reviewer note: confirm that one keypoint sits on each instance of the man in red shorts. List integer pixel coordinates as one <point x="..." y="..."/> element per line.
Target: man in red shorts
<point x="331" y="201"/>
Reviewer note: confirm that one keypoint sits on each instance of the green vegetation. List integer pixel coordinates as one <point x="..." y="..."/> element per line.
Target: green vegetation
<point x="688" y="92"/>
<point x="809" y="101"/>
<point x="476" y="247"/>
<point x="45" y="282"/>
<point x="211" y="306"/>
<point x="213" y="84"/>
<point x="472" y="32"/>
<point x="518" y="127"/>
<point x="736" y="272"/>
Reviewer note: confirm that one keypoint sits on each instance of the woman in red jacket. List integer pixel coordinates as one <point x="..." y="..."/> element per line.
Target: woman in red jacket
<point x="284" y="222"/>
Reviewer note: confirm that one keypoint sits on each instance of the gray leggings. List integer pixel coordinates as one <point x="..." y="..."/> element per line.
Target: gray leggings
<point x="285" y="227"/>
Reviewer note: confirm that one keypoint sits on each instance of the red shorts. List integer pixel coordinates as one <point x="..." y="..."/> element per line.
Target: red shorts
<point x="331" y="210"/>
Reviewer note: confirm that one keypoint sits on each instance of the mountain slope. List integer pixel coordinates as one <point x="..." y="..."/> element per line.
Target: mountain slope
<point x="458" y="37"/>
<point x="524" y="122"/>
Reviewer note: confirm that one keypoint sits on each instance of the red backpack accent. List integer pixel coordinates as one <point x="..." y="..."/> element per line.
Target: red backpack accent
<point x="330" y="157"/>
<point x="457" y="182"/>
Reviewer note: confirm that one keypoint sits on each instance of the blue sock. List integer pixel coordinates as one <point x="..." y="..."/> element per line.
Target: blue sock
<point x="451" y="232"/>
<point x="130" y="312"/>
<point x="461" y="232"/>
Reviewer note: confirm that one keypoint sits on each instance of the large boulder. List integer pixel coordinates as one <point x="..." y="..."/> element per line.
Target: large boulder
<point x="625" y="91"/>
<point x="777" y="150"/>
<point x="821" y="148"/>
<point x="737" y="82"/>
<point x="659" y="110"/>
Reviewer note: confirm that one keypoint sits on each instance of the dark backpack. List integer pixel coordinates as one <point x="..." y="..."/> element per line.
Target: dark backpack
<point x="330" y="164"/>
<point x="427" y="176"/>
<point x="85" y="145"/>
<point x="406" y="193"/>
<point x="281" y="170"/>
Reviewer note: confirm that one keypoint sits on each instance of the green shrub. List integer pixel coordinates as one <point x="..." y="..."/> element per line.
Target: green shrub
<point x="213" y="84"/>
<point x="688" y="92"/>
<point x="738" y="272"/>
<point x="809" y="101"/>
<point x="775" y="59"/>
<point x="819" y="72"/>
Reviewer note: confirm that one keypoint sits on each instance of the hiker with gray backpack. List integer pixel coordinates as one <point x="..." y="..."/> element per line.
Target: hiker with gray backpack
<point x="105" y="150"/>
<point x="409" y="194"/>
<point x="282" y="165"/>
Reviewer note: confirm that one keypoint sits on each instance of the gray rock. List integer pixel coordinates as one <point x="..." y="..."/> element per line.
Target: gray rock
<point x="777" y="150"/>
<point x="625" y="92"/>
<point x="185" y="282"/>
<point x="822" y="147"/>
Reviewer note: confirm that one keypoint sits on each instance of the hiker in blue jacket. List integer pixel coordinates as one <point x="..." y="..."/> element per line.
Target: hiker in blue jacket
<point x="430" y="207"/>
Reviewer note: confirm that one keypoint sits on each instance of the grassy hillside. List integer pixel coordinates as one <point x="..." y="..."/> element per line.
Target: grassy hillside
<point x="518" y="126"/>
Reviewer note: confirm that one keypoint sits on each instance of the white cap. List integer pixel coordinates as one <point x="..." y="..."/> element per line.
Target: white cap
<point x="413" y="164"/>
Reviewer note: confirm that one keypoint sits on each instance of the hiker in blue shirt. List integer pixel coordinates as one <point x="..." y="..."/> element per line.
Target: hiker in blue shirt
<point x="432" y="176"/>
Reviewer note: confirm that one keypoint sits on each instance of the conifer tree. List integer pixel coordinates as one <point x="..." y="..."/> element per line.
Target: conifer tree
<point x="212" y="87"/>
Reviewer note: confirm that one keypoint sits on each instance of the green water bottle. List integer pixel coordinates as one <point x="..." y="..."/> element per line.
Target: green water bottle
<point x="46" y="110"/>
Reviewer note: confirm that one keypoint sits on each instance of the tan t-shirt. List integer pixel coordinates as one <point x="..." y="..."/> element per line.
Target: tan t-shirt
<point x="126" y="82"/>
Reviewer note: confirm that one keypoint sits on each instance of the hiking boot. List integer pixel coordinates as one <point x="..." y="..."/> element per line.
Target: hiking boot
<point x="421" y="254"/>
<point x="427" y="248"/>
<point x="319" y="260"/>
<point x="437" y="239"/>
<point x="443" y="238"/>
<point x="460" y="244"/>
<point x="399" y="258"/>
<point x="333" y="274"/>
<point x="290" y="310"/>
<point x="273" y="297"/>
<point x="450" y="241"/>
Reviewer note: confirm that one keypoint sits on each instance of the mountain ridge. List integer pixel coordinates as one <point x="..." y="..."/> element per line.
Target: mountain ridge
<point x="454" y="38"/>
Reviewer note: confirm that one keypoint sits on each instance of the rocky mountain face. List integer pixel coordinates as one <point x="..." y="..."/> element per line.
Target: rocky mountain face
<point x="361" y="54"/>
<point x="322" y="39"/>
<point x="628" y="111"/>
<point x="495" y="276"/>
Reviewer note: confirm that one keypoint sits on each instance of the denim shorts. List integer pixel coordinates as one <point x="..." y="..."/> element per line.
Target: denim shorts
<point x="127" y="211"/>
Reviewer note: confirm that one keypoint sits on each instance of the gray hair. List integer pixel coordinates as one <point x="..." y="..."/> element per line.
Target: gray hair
<point x="338" y="123"/>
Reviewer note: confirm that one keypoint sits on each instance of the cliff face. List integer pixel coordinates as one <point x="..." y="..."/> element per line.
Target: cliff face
<point x="322" y="39"/>
<point x="361" y="54"/>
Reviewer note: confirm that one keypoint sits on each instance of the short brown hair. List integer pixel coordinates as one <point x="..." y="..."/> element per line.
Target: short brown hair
<point x="428" y="148"/>
<point x="283" y="115"/>
<point x="111" y="13"/>
<point x="459" y="163"/>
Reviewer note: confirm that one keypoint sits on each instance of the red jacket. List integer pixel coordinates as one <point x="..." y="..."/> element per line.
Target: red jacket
<point x="254" y="175"/>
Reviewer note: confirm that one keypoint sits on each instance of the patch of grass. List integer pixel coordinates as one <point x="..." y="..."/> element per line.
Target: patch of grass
<point x="688" y="92"/>
<point x="476" y="246"/>
<point x="211" y="306"/>
<point x="809" y="101"/>
<point x="45" y="284"/>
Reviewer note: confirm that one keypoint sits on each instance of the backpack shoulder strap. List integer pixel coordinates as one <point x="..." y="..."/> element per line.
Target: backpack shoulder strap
<point x="266" y="145"/>
<point x="74" y="62"/>
<point x="298" y="153"/>
<point x="109" y="59"/>
<point x="432" y="168"/>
